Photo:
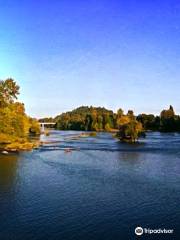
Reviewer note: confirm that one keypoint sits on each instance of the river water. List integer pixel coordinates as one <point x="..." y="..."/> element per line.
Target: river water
<point x="102" y="189"/>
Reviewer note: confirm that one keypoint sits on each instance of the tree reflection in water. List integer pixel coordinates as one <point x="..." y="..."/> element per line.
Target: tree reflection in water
<point x="8" y="172"/>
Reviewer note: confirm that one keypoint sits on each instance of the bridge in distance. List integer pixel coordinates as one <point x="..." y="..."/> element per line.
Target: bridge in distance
<point x="46" y="124"/>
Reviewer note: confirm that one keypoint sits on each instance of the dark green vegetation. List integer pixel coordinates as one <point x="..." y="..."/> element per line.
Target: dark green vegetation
<point x="100" y="119"/>
<point x="128" y="126"/>
<point x="88" y="119"/>
<point x="168" y="121"/>
<point x="47" y="119"/>
<point x="15" y="125"/>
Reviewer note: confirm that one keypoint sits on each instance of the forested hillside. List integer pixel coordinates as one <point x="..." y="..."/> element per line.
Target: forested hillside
<point x="87" y="118"/>
<point x="129" y="126"/>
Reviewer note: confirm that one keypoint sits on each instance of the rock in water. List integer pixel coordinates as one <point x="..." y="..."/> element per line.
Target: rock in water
<point x="4" y="152"/>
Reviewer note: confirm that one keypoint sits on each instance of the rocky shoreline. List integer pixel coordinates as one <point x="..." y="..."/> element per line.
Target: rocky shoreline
<point x="15" y="147"/>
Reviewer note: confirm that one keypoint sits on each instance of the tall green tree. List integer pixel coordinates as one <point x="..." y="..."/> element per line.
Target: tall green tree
<point x="9" y="91"/>
<point x="14" y="123"/>
<point x="167" y="120"/>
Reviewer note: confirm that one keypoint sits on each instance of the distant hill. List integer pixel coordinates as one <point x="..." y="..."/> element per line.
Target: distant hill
<point x="102" y="119"/>
<point x="87" y="118"/>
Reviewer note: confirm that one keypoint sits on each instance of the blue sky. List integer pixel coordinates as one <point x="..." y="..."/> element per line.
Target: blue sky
<point x="68" y="53"/>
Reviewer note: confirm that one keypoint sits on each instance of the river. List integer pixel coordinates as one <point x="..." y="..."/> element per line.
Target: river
<point x="102" y="189"/>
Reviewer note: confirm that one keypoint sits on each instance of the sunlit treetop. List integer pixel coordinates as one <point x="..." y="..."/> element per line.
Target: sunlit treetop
<point x="9" y="91"/>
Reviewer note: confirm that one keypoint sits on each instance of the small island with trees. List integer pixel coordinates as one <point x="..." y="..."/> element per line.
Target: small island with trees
<point x="16" y="127"/>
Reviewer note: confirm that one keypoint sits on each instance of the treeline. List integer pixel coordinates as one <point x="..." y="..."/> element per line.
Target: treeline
<point x="46" y="119"/>
<point x="87" y="118"/>
<point x="15" y="125"/>
<point x="101" y="119"/>
<point x="168" y="121"/>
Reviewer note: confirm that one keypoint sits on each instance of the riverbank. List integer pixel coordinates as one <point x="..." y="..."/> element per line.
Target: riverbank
<point x="16" y="144"/>
<point x="10" y="144"/>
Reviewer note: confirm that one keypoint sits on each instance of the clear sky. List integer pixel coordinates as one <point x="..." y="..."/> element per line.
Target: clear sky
<point x="111" y="53"/>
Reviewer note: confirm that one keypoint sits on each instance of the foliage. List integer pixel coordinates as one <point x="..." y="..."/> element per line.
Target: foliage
<point x="86" y="118"/>
<point x="128" y="125"/>
<point x="18" y="146"/>
<point x="34" y="126"/>
<point x="8" y="91"/>
<point x="15" y="125"/>
<point x="129" y="128"/>
<point x="149" y="121"/>
<point x="47" y="119"/>
<point x="168" y="121"/>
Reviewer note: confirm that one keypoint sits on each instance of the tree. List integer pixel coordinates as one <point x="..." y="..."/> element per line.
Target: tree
<point x="107" y="127"/>
<point x="34" y="127"/>
<point x="100" y="122"/>
<point x="129" y="128"/>
<point x="167" y="120"/>
<point x="86" y="118"/>
<point x="149" y="121"/>
<point x="119" y="113"/>
<point x="88" y="122"/>
<point x="15" y="125"/>
<point x="8" y="91"/>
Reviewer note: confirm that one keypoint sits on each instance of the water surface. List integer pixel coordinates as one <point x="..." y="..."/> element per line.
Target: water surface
<point x="102" y="189"/>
